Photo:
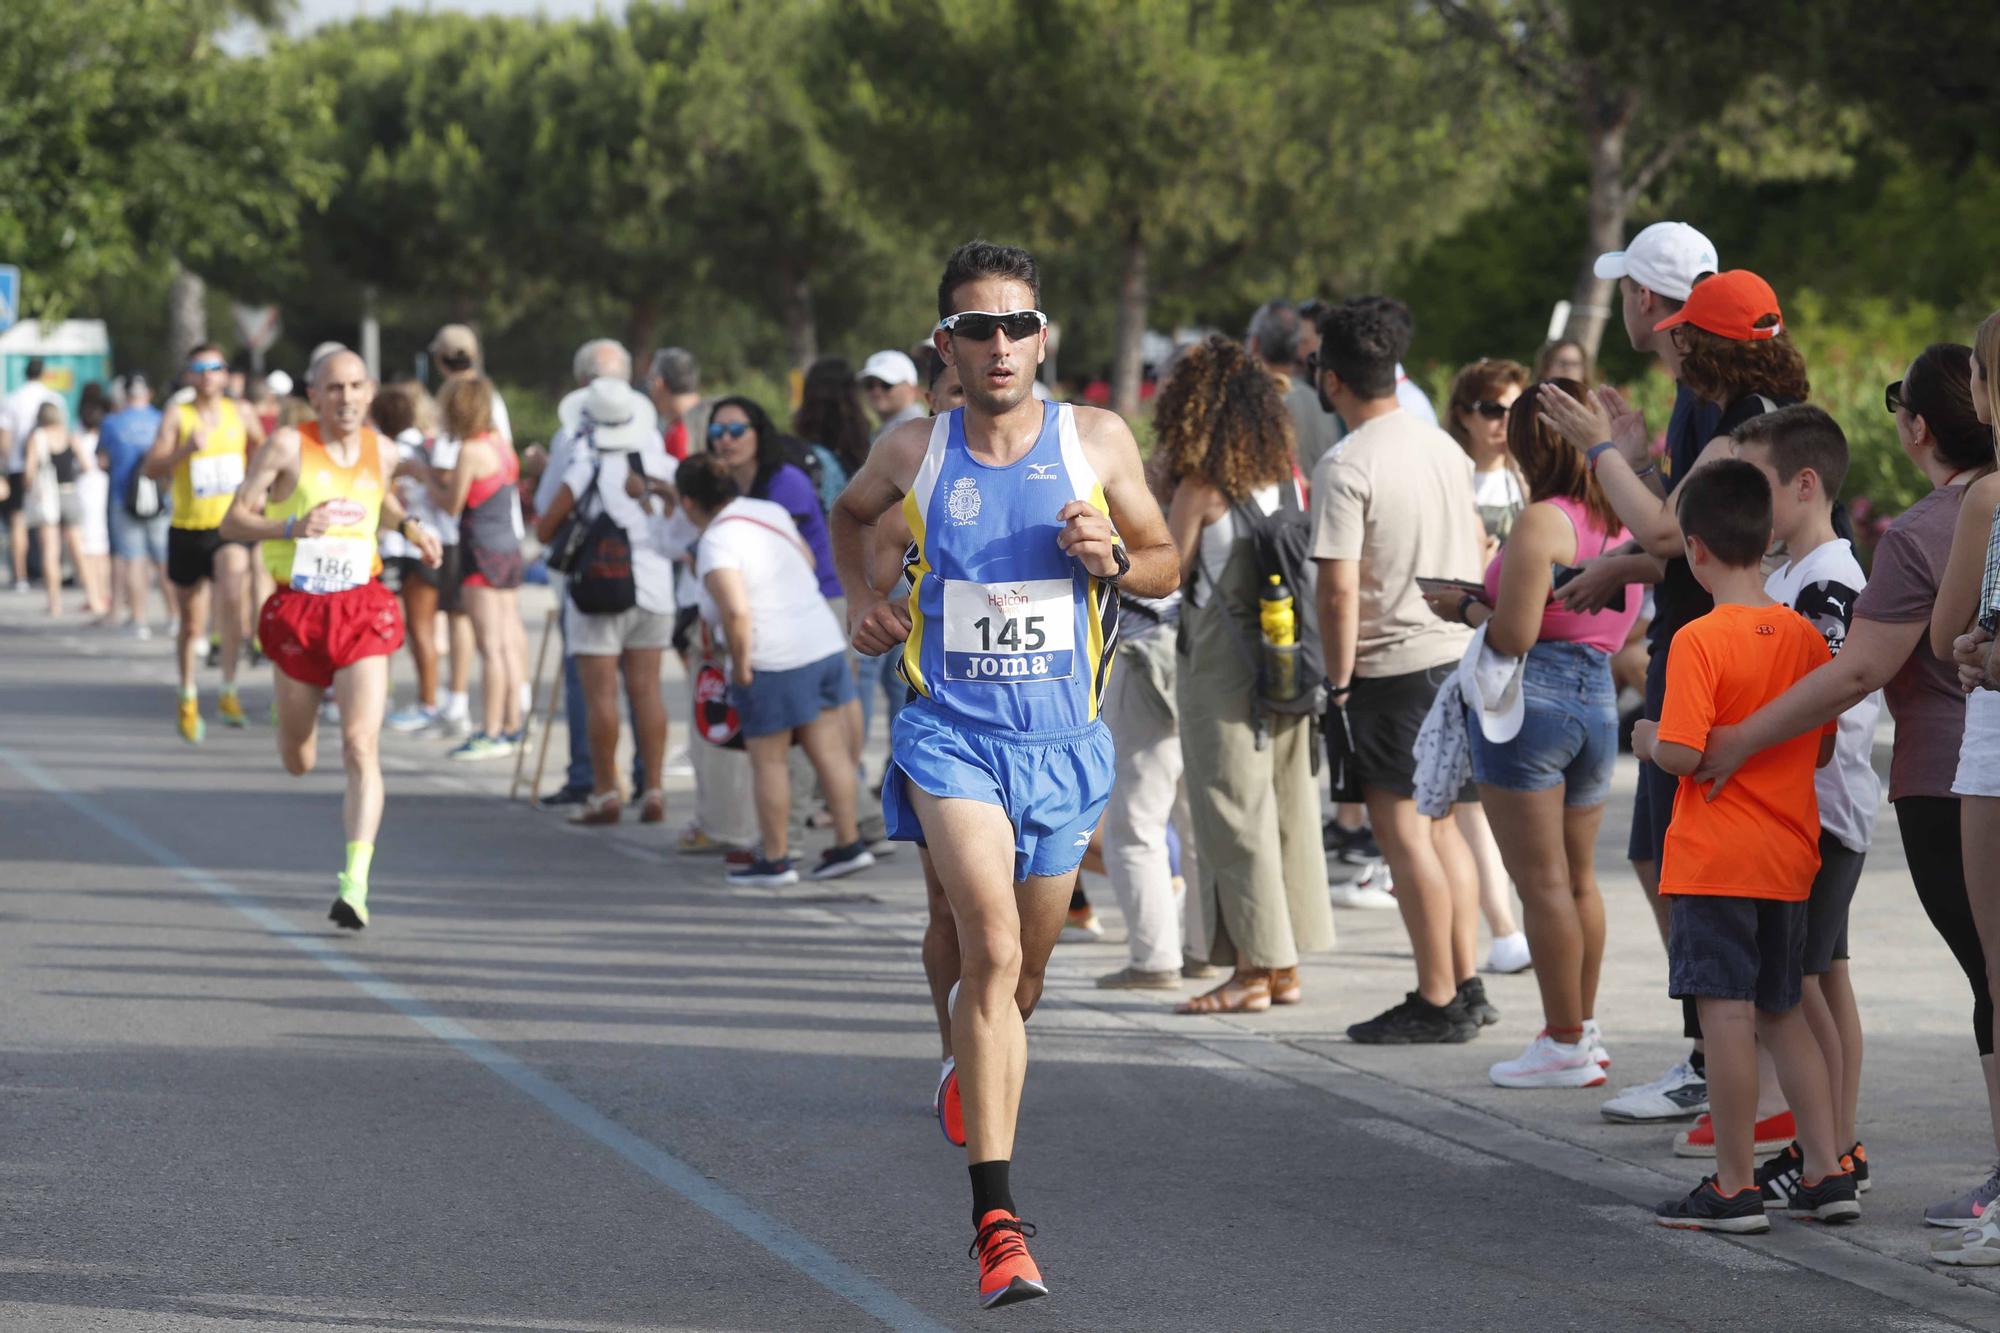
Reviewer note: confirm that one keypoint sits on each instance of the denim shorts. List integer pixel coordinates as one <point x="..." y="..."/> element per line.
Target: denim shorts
<point x="1569" y="728"/>
<point x="779" y="701"/>
<point x="1723" y="948"/>
<point x="138" y="538"/>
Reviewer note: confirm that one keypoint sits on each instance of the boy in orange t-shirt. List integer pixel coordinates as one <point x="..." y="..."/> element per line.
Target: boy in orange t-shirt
<point x="1739" y="868"/>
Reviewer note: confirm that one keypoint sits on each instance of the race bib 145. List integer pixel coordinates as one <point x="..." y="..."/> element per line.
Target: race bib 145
<point x="1009" y="633"/>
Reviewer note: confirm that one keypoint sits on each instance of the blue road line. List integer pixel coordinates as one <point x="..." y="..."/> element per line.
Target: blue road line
<point x="774" y="1236"/>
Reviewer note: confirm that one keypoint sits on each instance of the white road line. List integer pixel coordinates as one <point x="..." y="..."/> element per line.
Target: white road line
<point x="780" y="1240"/>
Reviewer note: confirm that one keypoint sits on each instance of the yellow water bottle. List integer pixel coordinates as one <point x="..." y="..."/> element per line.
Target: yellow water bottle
<point x="1279" y="621"/>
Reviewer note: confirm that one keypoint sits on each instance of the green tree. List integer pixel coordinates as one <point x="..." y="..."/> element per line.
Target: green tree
<point x="131" y="137"/>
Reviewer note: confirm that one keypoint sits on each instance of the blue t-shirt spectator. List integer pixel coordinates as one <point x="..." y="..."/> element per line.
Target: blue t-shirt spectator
<point x="123" y="439"/>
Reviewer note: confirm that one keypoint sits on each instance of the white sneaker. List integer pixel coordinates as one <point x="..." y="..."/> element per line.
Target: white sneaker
<point x="1678" y="1094"/>
<point x="138" y="629"/>
<point x="1548" y="1063"/>
<point x="1363" y="895"/>
<point x="416" y="717"/>
<point x="1509" y="955"/>
<point x="1593" y="1037"/>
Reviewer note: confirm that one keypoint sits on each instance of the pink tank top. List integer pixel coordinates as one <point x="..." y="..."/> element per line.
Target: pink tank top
<point x="1606" y="629"/>
<point x="486" y="488"/>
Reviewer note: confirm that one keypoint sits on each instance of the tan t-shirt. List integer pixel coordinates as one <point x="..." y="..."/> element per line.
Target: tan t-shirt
<point x="1396" y="494"/>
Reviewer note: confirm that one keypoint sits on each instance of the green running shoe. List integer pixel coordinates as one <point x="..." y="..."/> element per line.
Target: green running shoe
<point x="350" y="905"/>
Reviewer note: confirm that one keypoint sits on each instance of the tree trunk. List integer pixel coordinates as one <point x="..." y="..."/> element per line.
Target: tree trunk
<point x="1606" y="119"/>
<point x="187" y="315"/>
<point x="1127" y="365"/>
<point x="801" y="332"/>
<point x="642" y="323"/>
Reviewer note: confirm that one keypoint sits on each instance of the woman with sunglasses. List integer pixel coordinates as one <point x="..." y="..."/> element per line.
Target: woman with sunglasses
<point x="1476" y="417"/>
<point x="759" y="457"/>
<point x="1966" y="604"/>
<point x="1889" y="648"/>
<point x="1546" y="787"/>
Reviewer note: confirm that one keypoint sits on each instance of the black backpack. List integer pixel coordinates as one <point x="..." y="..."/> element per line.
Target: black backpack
<point x="599" y="561"/>
<point x="1281" y="543"/>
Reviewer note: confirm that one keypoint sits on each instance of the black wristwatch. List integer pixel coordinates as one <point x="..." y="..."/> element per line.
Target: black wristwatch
<point x="1124" y="565"/>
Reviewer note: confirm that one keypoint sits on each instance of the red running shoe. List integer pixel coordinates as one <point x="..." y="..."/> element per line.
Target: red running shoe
<point x="1006" y="1271"/>
<point x="950" y="1112"/>
<point x="1773" y="1133"/>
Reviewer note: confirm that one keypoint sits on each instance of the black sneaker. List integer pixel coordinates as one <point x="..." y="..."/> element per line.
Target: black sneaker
<point x="765" y="874"/>
<point x="1473" y="992"/>
<point x="568" y="796"/>
<point x="837" y="861"/>
<point x="1857" y="1162"/>
<point x="1353" y="846"/>
<point x="1416" y="1022"/>
<point x="1831" y="1199"/>
<point x="1707" y="1209"/>
<point x="1776" y="1175"/>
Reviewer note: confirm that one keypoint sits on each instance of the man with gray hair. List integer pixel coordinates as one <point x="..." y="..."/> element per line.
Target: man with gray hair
<point x="1274" y="337"/>
<point x="600" y="358"/>
<point x="673" y="382"/>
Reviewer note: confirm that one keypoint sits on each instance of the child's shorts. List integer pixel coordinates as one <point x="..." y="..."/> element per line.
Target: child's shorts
<point x="1826" y="911"/>
<point x="1721" y="948"/>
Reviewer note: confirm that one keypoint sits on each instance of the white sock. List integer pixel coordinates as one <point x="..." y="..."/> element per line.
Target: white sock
<point x="456" y="705"/>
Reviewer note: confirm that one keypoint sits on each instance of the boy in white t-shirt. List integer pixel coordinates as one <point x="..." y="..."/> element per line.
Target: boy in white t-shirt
<point x="1803" y="454"/>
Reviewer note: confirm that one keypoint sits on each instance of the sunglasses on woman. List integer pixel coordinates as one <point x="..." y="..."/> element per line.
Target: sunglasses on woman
<point x="979" y="325"/>
<point x="1892" y="397"/>
<point x="1490" y="408"/>
<point x="735" y="430"/>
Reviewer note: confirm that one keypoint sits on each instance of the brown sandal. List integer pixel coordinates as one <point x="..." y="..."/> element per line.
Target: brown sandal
<point x="1244" y="992"/>
<point x="1285" y="986"/>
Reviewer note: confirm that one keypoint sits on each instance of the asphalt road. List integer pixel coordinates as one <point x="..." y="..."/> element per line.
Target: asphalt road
<point x="568" y="1080"/>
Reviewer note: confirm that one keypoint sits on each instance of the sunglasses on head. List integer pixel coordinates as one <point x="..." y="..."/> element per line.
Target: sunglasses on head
<point x="980" y="325"/>
<point x="200" y="367"/>
<point x="1892" y="397"/>
<point x="1490" y="408"/>
<point x="735" y="430"/>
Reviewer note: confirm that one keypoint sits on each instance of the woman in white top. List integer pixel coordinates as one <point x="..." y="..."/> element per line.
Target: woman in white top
<point x="609" y="477"/>
<point x="1225" y="439"/>
<point x="787" y="664"/>
<point x="53" y="465"/>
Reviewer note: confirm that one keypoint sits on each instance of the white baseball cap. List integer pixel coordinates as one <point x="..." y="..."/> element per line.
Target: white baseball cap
<point x="1666" y="258"/>
<point x="891" y="367"/>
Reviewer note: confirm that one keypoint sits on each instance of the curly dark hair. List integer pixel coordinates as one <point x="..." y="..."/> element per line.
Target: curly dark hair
<point x="830" y="412"/>
<point x="1721" y="370"/>
<point x="1550" y="465"/>
<point x="1362" y="339"/>
<point x="1221" y="418"/>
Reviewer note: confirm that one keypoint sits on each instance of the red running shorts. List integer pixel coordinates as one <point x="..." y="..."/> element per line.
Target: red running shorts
<point x="309" y="636"/>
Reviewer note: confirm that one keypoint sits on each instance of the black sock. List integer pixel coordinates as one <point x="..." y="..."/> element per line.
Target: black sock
<point x="1698" y="1063"/>
<point x="989" y="1189"/>
<point x="1077" y="901"/>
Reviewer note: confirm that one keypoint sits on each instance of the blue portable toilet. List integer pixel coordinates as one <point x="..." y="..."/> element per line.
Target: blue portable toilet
<point x="73" y="353"/>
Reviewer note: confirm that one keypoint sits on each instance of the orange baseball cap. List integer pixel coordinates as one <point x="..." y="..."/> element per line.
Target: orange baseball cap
<point x="1730" y="305"/>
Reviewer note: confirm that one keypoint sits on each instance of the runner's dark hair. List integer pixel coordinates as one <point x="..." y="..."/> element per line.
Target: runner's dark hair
<point x="986" y="259"/>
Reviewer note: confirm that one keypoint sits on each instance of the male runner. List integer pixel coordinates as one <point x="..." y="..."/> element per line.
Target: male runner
<point x="1023" y="516"/>
<point x="315" y="497"/>
<point x="205" y="446"/>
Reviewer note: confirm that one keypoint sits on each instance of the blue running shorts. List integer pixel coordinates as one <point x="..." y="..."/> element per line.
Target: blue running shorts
<point x="1053" y="786"/>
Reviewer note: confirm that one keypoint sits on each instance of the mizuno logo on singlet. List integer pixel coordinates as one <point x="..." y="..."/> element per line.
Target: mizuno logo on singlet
<point x="1042" y="472"/>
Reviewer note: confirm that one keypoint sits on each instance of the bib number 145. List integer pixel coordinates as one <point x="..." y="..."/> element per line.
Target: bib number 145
<point x="1009" y="633"/>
